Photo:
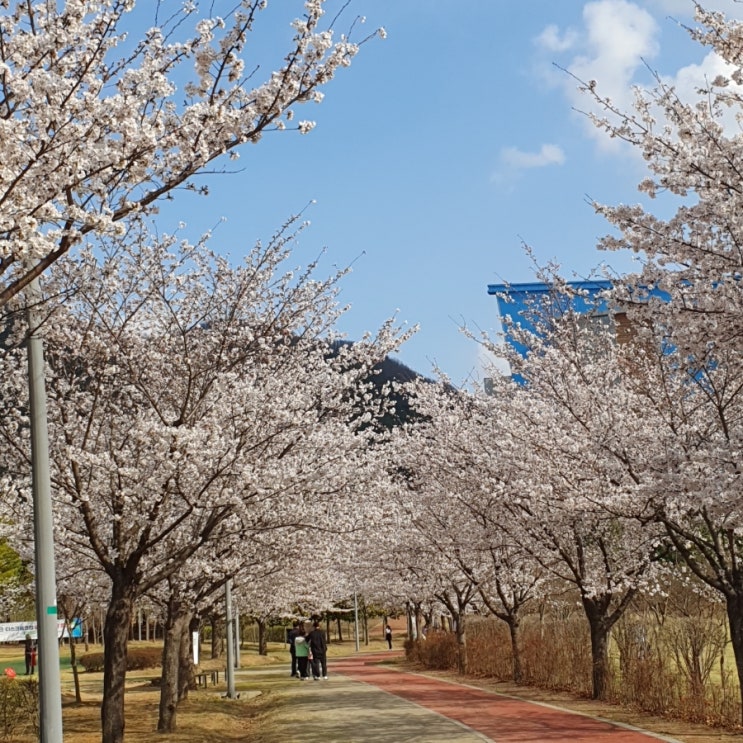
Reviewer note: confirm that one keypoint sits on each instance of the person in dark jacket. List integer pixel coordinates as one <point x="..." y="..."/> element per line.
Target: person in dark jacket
<point x="291" y="636"/>
<point x="319" y="650"/>
<point x="28" y="652"/>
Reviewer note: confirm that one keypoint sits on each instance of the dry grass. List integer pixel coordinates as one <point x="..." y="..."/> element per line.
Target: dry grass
<point x="205" y="717"/>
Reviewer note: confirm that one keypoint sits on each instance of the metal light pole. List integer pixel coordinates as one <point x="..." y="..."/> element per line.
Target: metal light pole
<point x="50" y="691"/>
<point x="237" y="638"/>
<point x="356" y="619"/>
<point x="230" y="642"/>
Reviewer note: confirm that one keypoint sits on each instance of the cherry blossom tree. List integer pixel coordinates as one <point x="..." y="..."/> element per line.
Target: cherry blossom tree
<point x="518" y="477"/>
<point x="563" y="427"/>
<point x="511" y="581"/>
<point x="101" y="120"/>
<point x="687" y="301"/>
<point x="461" y="463"/>
<point x="439" y="553"/>
<point x="467" y="462"/>
<point x="183" y="392"/>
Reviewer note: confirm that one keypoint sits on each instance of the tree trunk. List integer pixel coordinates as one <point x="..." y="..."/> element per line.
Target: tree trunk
<point x="75" y="672"/>
<point x="69" y="609"/>
<point x="115" y="635"/>
<point x="461" y="643"/>
<point x="340" y="632"/>
<point x="186" y="676"/>
<point x="215" y="636"/>
<point x="262" y="637"/>
<point x="176" y="621"/>
<point x="513" y="629"/>
<point x="418" y="617"/>
<point x="600" y="628"/>
<point x="734" y="606"/>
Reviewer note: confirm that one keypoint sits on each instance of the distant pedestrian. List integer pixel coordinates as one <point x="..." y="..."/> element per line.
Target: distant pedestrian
<point x="291" y="635"/>
<point x="33" y="659"/>
<point x="302" y="651"/>
<point x="319" y="650"/>
<point x="28" y="647"/>
<point x="388" y="636"/>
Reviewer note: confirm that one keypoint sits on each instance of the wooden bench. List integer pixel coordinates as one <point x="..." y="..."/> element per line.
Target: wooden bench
<point x="203" y="678"/>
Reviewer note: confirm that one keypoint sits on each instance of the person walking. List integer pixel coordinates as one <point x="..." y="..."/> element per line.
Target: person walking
<point x="291" y="635"/>
<point x="388" y="636"/>
<point x="302" y="651"/>
<point x="319" y="650"/>
<point x="28" y="648"/>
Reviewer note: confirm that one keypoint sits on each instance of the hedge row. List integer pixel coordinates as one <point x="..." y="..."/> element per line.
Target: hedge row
<point x="136" y="659"/>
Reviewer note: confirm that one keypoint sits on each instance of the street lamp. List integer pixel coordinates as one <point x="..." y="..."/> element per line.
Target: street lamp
<point x="50" y="691"/>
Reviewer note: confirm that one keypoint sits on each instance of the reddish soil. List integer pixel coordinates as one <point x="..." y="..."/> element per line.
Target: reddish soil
<point x="501" y="718"/>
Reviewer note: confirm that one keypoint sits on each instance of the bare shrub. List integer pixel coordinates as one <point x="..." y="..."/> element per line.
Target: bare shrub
<point x="437" y="652"/>
<point x="19" y="707"/>
<point x="697" y="642"/>
<point x="646" y="679"/>
<point x="672" y="660"/>
<point x="411" y="650"/>
<point x="489" y="652"/>
<point x="724" y="701"/>
<point x="557" y="654"/>
<point x="669" y="657"/>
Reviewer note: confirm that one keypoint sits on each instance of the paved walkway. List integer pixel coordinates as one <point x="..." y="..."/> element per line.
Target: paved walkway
<point x="365" y="702"/>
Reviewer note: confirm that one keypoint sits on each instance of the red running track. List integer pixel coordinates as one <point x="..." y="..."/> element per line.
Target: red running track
<point x="502" y="719"/>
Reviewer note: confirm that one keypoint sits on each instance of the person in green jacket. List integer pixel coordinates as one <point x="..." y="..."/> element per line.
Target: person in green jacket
<point x="302" y="651"/>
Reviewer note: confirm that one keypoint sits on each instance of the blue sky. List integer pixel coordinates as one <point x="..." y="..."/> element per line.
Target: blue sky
<point x="448" y="144"/>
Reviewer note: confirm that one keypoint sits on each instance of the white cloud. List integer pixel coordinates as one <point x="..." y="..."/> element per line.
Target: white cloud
<point x="620" y="34"/>
<point x="694" y="76"/>
<point x="549" y="154"/>
<point x="612" y="49"/>
<point x="618" y="37"/>
<point x="552" y="40"/>
<point x="689" y="79"/>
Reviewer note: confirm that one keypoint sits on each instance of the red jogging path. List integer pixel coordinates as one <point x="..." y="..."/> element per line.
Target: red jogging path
<point x="500" y="718"/>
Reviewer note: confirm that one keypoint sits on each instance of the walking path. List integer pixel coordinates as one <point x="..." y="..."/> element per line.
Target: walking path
<point x="365" y="702"/>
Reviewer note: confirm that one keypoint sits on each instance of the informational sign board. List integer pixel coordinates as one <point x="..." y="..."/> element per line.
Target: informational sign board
<point x="17" y="631"/>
